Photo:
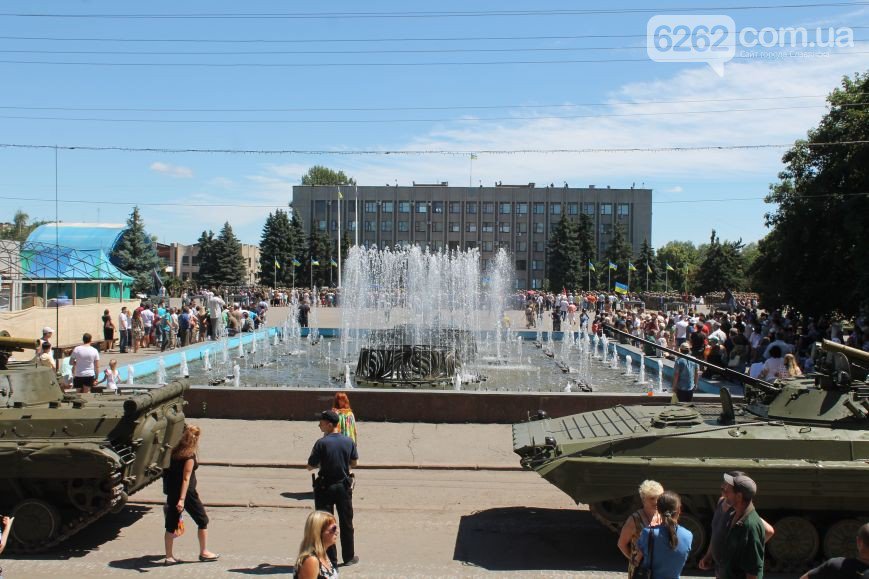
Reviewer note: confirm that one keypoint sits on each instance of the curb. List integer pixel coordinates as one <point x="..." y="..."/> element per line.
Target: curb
<point x="373" y="466"/>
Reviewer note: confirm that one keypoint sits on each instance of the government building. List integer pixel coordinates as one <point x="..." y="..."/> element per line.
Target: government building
<point x="517" y="218"/>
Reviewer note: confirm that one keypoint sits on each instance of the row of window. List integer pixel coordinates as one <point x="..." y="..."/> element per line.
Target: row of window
<point x="452" y="227"/>
<point x="489" y="207"/>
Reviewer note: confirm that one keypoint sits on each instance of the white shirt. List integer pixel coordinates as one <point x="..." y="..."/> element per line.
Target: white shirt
<point x="84" y="357"/>
<point x="147" y="318"/>
<point x="123" y="322"/>
<point x="112" y="379"/>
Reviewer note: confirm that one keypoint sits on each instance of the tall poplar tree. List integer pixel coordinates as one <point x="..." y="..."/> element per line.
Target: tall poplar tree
<point x="135" y="254"/>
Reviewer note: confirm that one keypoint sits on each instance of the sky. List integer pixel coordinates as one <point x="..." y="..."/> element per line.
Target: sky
<point x="237" y="85"/>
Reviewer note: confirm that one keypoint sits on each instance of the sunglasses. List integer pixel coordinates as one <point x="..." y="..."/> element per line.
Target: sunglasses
<point x="332" y="529"/>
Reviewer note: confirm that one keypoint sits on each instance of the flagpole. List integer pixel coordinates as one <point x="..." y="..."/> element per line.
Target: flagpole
<point x="629" y="276"/>
<point x="356" y="228"/>
<point x="609" y="284"/>
<point x="340" y="198"/>
<point x="647" y="276"/>
<point x="275" y="269"/>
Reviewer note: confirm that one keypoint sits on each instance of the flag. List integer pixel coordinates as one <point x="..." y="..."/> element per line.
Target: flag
<point x="296" y="262"/>
<point x="670" y="267"/>
<point x="340" y="195"/>
<point x="473" y="156"/>
<point x="621" y="288"/>
<point x="648" y="268"/>
<point x="277" y="265"/>
<point x="613" y="266"/>
<point x="631" y="267"/>
<point x="333" y="263"/>
<point x="591" y="266"/>
<point x="315" y="261"/>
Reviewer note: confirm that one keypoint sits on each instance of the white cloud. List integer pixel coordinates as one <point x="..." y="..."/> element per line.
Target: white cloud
<point x="676" y="189"/>
<point x="177" y="171"/>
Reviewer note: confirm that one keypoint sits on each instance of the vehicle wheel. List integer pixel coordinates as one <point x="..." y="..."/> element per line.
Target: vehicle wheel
<point x="839" y="539"/>
<point x="795" y="543"/>
<point x="86" y="494"/>
<point x="698" y="529"/>
<point x="614" y="513"/>
<point x="36" y="522"/>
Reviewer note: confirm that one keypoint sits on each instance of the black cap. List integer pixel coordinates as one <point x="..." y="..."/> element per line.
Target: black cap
<point x="329" y="415"/>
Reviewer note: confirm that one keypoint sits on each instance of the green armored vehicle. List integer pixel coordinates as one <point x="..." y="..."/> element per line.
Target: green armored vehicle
<point x="804" y="441"/>
<point x="68" y="459"/>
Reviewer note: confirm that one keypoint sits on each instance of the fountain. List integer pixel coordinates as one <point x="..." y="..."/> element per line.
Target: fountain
<point x="236" y="376"/>
<point x="207" y="361"/>
<point x="184" y="371"/>
<point x="629" y="366"/>
<point x="130" y="373"/>
<point x="161" y="372"/>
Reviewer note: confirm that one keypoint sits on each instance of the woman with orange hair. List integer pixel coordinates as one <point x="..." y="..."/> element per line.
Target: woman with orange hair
<point x="346" y="419"/>
<point x="179" y="484"/>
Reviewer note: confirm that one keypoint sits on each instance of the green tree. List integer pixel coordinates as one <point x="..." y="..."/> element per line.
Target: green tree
<point x="228" y="259"/>
<point x="682" y="256"/>
<point x="135" y="254"/>
<point x="721" y="267"/>
<point x="620" y="253"/>
<point x="646" y="261"/>
<point x="276" y="244"/>
<point x="319" y="248"/>
<point x="586" y="248"/>
<point x="814" y="257"/>
<point x="564" y="265"/>
<point x="206" y="277"/>
<point x="20" y="228"/>
<point x="320" y="175"/>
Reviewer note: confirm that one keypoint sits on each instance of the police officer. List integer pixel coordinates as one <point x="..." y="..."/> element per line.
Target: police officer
<point x="335" y="454"/>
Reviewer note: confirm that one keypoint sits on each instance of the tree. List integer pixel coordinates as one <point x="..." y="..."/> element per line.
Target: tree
<point x="681" y="256"/>
<point x="228" y="259"/>
<point x="620" y="253"/>
<point x="319" y="248"/>
<point x="320" y="175"/>
<point x="586" y="247"/>
<point x="207" y="257"/>
<point x="814" y="257"/>
<point x="646" y="261"/>
<point x="135" y="254"/>
<point x="721" y="268"/>
<point x="20" y="228"/>
<point x="564" y="265"/>
<point x="276" y="244"/>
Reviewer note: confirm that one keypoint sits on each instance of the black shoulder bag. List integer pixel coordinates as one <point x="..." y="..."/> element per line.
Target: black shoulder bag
<point x="646" y="572"/>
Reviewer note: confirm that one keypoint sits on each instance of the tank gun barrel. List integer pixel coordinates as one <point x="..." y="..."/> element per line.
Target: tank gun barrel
<point x="852" y="353"/>
<point x="730" y="373"/>
<point x="136" y="404"/>
<point x="10" y="344"/>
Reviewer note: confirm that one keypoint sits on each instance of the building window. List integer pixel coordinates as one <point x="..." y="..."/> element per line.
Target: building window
<point x="370" y="207"/>
<point x="470" y="245"/>
<point x="471" y="207"/>
<point x="606" y="228"/>
<point x="539" y="246"/>
<point x="185" y="260"/>
<point x="471" y="227"/>
<point x="555" y="208"/>
<point x="488" y="246"/>
<point x="624" y="209"/>
<point x="522" y="227"/>
<point x="437" y="245"/>
<point x="455" y="227"/>
<point x="488" y="207"/>
<point x="334" y="225"/>
<point x="369" y="226"/>
<point x="505" y="245"/>
<point x="536" y="264"/>
<point x="453" y="245"/>
<point x="321" y="225"/>
<point x="588" y="208"/>
<point x="521" y="264"/>
<point x="387" y="226"/>
<point x="522" y="208"/>
<point x="519" y="284"/>
<point x="488" y="227"/>
<point x="419" y="227"/>
<point x="606" y="208"/>
<point x="437" y="227"/>
<point x="573" y="208"/>
<point x="455" y="207"/>
<point x="538" y="228"/>
<point x="521" y="246"/>
<point x="536" y="283"/>
<point x="504" y="227"/>
<point x="437" y="206"/>
<point x="539" y="209"/>
<point x="505" y="208"/>
<point x="319" y="206"/>
<point x="387" y="206"/>
<point x="404" y="206"/>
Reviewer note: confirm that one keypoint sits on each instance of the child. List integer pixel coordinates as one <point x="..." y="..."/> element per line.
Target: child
<point x="111" y="376"/>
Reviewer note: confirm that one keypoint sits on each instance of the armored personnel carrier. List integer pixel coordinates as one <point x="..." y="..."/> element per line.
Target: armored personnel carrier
<point x="804" y="441"/>
<point x="68" y="459"/>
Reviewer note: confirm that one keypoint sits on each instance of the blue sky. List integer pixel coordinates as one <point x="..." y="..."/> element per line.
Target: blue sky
<point x="334" y="61"/>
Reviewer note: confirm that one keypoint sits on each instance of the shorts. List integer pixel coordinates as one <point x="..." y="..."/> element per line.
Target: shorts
<point x="83" y="381"/>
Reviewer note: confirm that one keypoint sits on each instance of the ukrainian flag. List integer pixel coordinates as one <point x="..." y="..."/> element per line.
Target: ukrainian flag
<point x="315" y="261"/>
<point x="277" y="265"/>
<point x="621" y="288"/>
<point x="333" y="263"/>
<point x="296" y="262"/>
<point x="591" y="266"/>
<point x="631" y="267"/>
<point x="670" y="267"/>
<point x="648" y="268"/>
<point x="340" y="195"/>
<point x="613" y="266"/>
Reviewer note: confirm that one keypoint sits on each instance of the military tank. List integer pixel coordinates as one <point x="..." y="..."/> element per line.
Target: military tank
<point x="68" y="459"/>
<point x="804" y="441"/>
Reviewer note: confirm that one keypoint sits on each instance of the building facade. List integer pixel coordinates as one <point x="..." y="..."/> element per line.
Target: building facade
<point x="184" y="261"/>
<point x="517" y="218"/>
